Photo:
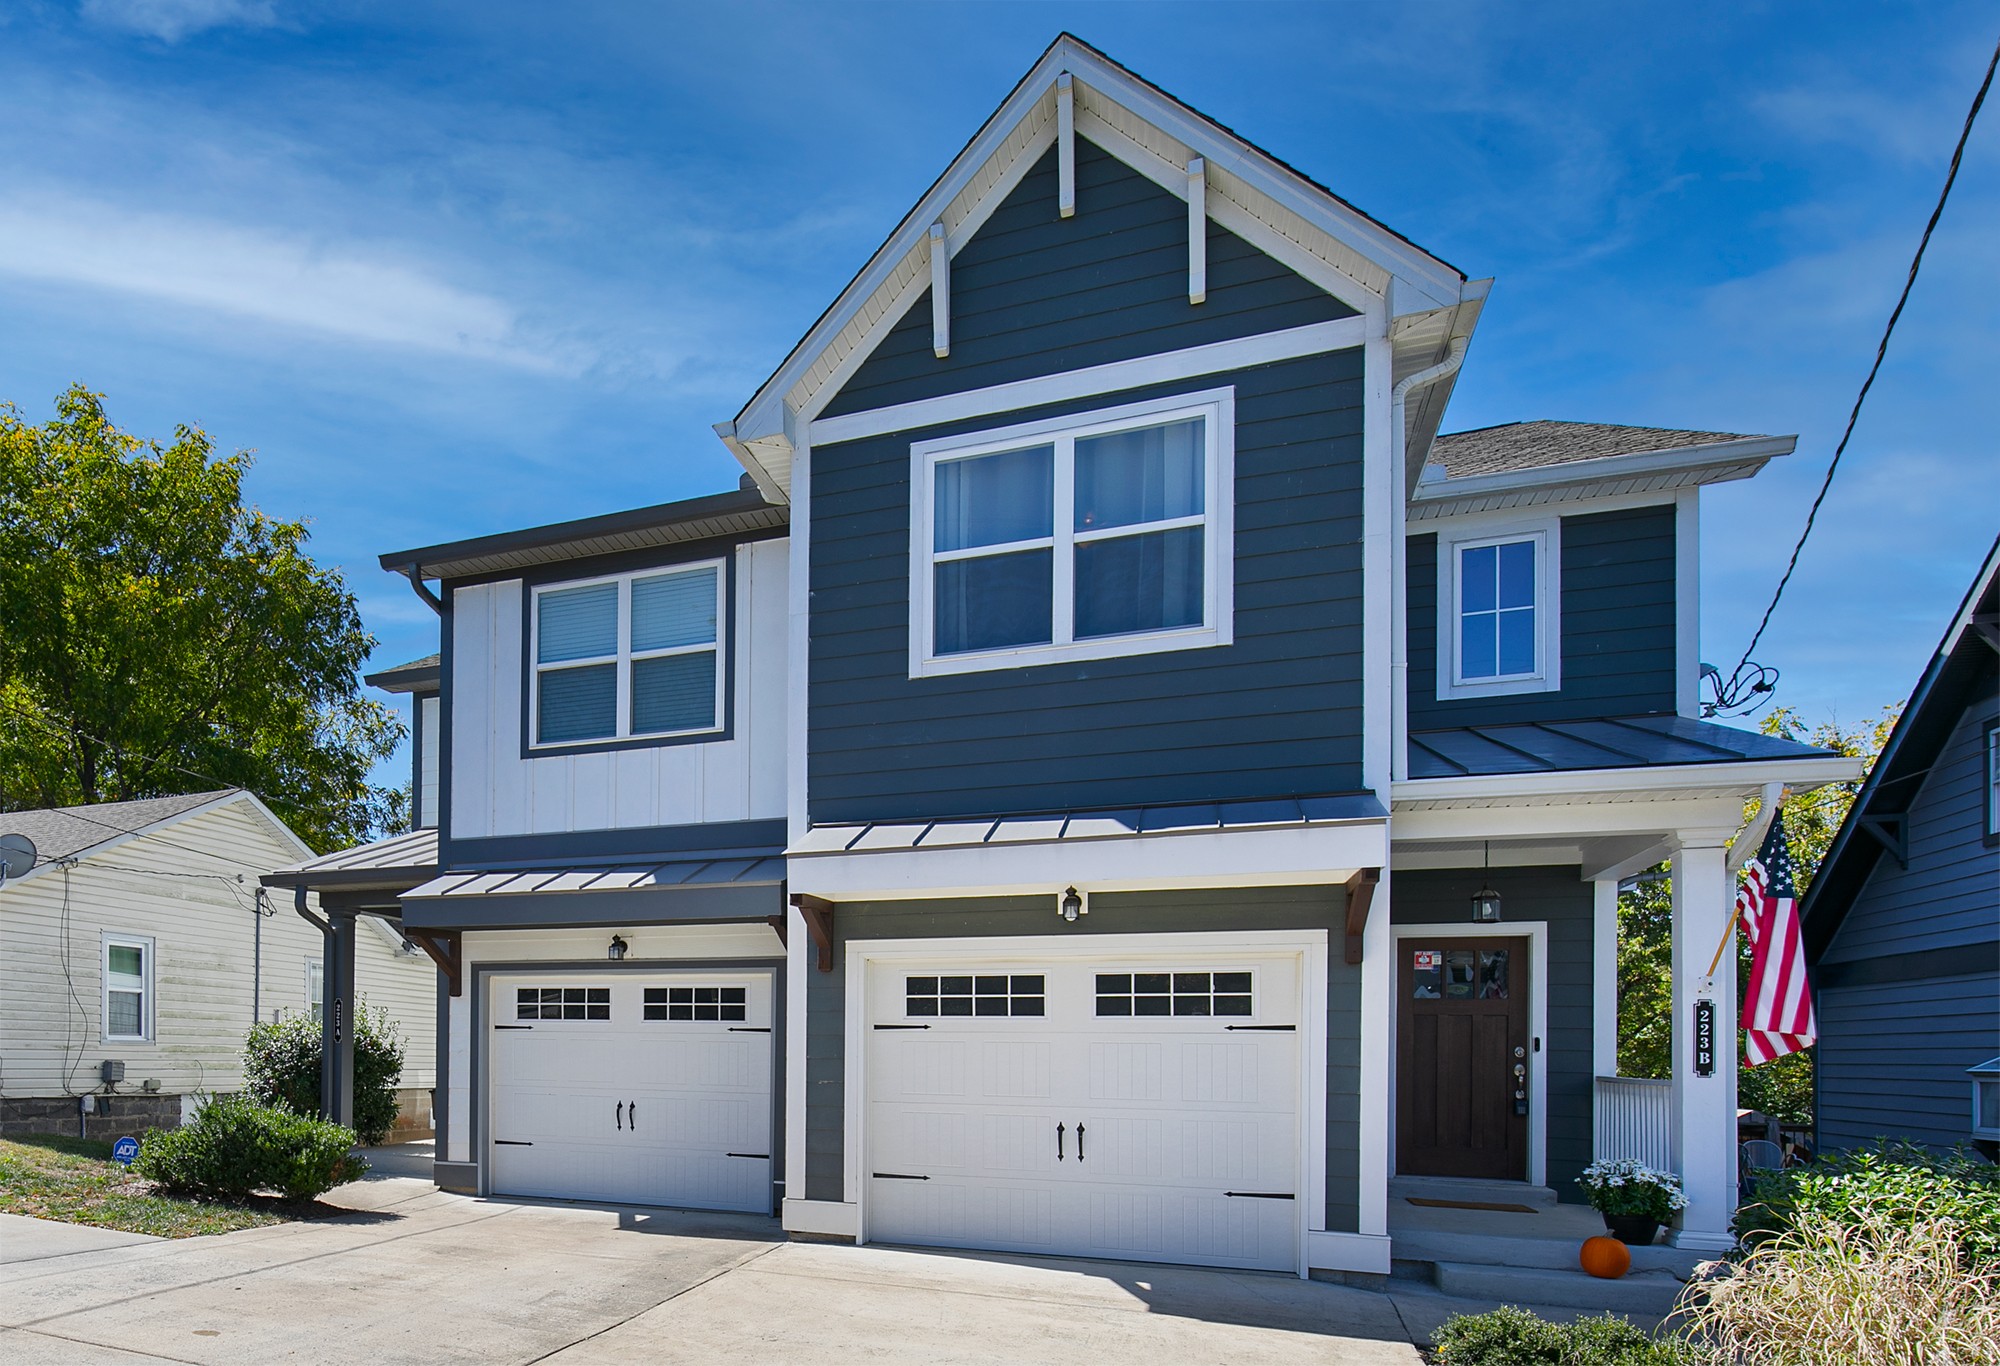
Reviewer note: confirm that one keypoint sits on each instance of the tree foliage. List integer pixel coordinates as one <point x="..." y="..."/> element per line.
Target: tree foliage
<point x="1782" y="1088"/>
<point x="161" y="637"/>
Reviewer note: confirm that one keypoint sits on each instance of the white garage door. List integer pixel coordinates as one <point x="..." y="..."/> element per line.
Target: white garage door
<point x="1128" y="1108"/>
<point x="648" y="1090"/>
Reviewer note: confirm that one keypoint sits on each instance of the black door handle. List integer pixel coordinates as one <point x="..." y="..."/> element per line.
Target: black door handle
<point x="621" y="1114"/>
<point x="632" y="1115"/>
<point x="1079" y="1140"/>
<point x="1059" y="1134"/>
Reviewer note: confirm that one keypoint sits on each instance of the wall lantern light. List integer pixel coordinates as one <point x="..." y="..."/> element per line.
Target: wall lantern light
<point x="1486" y="901"/>
<point x="616" y="953"/>
<point x="1071" y="905"/>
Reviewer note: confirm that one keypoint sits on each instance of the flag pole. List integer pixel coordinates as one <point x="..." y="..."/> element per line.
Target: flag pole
<point x="1776" y="808"/>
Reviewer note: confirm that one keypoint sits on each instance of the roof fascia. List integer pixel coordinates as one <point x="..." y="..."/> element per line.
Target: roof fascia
<point x="1663" y="779"/>
<point x="1716" y="456"/>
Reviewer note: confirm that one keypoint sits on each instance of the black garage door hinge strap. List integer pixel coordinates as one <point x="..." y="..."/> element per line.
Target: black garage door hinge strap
<point x="513" y="1143"/>
<point x="749" y="1029"/>
<point x="765" y="1156"/>
<point x="1268" y="1029"/>
<point x="1259" y="1195"/>
<point x="902" y="1026"/>
<point x="499" y="1026"/>
<point x="898" y="1176"/>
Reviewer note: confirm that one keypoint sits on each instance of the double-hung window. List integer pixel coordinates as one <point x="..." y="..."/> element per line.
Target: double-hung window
<point x="634" y="656"/>
<point x="128" y="988"/>
<point x="1498" y="631"/>
<point x="1077" y="538"/>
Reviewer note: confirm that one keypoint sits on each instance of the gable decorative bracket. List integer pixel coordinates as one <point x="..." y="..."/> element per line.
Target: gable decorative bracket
<point x="445" y="950"/>
<point x="818" y="914"/>
<point x="1360" y="892"/>
<point x="1892" y="833"/>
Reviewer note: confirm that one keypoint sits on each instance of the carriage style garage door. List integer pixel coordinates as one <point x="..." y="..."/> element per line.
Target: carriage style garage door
<point x="1140" y="1108"/>
<point x="649" y="1090"/>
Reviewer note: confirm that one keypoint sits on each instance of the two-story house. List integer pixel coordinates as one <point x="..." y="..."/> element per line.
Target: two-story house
<point x="1114" y="780"/>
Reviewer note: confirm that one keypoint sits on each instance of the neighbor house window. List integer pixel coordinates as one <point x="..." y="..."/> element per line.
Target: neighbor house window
<point x="629" y="657"/>
<point x="315" y="986"/>
<point x="1497" y="621"/>
<point x="128" y="988"/>
<point x="1078" y="538"/>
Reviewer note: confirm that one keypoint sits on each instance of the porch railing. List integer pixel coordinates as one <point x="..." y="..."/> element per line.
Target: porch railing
<point x="1634" y="1119"/>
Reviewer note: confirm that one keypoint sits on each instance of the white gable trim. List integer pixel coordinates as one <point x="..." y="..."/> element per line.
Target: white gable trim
<point x="1357" y="260"/>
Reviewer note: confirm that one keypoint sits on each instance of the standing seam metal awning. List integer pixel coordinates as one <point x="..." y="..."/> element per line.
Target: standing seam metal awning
<point x="748" y="887"/>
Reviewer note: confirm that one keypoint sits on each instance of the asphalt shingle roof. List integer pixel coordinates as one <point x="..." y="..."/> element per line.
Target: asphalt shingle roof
<point x="66" y="831"/>
<point x="1532" y="445"/>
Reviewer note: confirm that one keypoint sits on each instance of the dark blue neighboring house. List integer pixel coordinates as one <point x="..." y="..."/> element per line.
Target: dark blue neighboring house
<point x="1902" y="922"/>
<point x="1113" y="780"/>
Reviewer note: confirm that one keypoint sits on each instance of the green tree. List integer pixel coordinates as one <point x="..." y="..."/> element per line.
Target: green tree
<point x="157" y="636"/>
<point x="1784" y="1087"/>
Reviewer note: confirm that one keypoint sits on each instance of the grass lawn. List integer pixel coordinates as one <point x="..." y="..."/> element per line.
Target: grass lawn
<point x="74" y="1180"/>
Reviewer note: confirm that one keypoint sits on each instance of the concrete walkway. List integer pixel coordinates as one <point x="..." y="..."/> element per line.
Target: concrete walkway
<point x="415" y="1275"/>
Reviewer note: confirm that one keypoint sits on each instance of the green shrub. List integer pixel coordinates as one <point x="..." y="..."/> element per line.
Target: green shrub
<point x="1514" y="1337"/>
<point x="281" y="1067"/>
<point x="1890" y="1185"/>
<point x="236" y="1147"/>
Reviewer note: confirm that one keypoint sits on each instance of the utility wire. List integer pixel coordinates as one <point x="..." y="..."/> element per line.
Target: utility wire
<point x="1726" y="688"/>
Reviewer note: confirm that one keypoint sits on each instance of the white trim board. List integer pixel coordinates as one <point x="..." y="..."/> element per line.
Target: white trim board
<point x="1536" y="932"/>
<point x="1657" y="782"/>
<point x="1166" y="367"/>
<point x="1287" y="857"/>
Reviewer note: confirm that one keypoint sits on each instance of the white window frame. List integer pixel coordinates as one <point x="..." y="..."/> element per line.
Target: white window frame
<point x="625" y="656"/>
<point x="1546" y="536"/>
<point x="148" y="1006"/>
<point x="1217" y="408"/>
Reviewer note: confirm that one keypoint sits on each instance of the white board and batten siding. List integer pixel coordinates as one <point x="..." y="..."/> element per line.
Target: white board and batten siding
<point x="431" y="709"/>
<point x="496" y="792"/>
<point x="204" y="934"/>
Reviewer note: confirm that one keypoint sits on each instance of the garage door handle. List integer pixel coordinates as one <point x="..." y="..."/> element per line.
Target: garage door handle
<point x="1263" y="1028"/>
<point x="632" y="1116"/>
<point x="1059" y="1134"/>
<point x="1079" y="1141"/>
<point x="1258" y="1195"/>
<point x="621" y="1115"/>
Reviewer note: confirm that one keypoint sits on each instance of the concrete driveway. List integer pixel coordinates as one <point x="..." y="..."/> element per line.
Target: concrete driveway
<point x="415" y="1275"/>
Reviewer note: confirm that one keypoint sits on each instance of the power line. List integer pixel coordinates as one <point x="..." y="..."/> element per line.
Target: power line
<point x="1725" y="688"/>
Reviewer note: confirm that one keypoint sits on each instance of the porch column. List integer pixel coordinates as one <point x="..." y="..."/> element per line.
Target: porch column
<point x="337" y="1021"/>
<point x="1704" y="1108"/>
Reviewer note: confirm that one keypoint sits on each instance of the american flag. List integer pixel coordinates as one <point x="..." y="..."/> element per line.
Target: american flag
<point x="1778" y="1013"/>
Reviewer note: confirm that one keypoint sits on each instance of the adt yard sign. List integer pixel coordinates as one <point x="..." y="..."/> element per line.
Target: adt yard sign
<point x="124" y="1150"/>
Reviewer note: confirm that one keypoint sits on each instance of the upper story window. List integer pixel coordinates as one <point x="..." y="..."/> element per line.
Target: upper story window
<point x="128" y="988"/>
<point x="629" y="656"/>
<point x="1084" y="537"/>
<point x="1498" y="612"/>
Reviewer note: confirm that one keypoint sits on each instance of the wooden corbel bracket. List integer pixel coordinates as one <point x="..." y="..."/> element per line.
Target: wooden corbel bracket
<point x="445" y="950"/>
<point x="818" y="915"/>
<point x="1360" y="892"/>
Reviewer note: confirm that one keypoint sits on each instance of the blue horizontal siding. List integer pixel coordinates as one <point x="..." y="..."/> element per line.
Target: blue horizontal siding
<point x="1892" y="1058"/>
<point x="1277" y="713"/>
<point x="1618" y="636"/>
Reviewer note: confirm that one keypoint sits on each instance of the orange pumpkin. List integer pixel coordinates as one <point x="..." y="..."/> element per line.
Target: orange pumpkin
<point x="1605" y="1258"/>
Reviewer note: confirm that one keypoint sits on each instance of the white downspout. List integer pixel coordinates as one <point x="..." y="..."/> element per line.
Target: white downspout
<point x="1399" y="624"/>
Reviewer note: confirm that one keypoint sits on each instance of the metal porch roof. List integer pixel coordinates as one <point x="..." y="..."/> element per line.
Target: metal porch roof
<point x="399" y="859"/>
<point x="1615" y="742"/>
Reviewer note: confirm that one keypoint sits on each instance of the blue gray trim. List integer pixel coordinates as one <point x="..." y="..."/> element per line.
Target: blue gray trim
<point x="634" y="843"/>
<point x="557" y="574"/>
<point x="447" y="649"/>
<point x="1559" y="897"/>
<point x="477" y="1041"/>
<point x="1970" y="960"/>
<point x="441" y="1097"/>
<point x="417" y="761"/>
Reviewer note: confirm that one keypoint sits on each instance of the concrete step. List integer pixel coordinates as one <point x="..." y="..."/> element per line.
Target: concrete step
<point x="1471" y="1192"/>
<point x="1641" y="1292"/>
<point x="1548" y="1254"/>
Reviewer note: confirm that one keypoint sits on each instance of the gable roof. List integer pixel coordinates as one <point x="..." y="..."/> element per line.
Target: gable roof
<point x="65" y="832"/>
<point x="1547" y="461"/>
<point x="1251" y="192"/>
<point x="1963" y="662"/>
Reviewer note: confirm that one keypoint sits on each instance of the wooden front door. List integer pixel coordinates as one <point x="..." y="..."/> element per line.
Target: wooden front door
<point x="1462" y="1058"/>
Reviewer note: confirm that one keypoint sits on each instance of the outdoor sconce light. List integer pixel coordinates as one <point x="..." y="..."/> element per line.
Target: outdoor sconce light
<point x="1071" y="905"/>
<point x="1485" y="901"/>
<point x="616" y="953"/>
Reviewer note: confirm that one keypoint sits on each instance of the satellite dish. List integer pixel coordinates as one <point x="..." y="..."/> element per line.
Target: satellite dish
<point x="17" y="856"/>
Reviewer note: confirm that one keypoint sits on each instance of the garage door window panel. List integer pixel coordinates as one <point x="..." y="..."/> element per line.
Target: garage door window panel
<point x="970" y="995"/>
<point x="562" y="1003"/>
<point x="1164" y="994"/>
<point x="696" y="1004"/>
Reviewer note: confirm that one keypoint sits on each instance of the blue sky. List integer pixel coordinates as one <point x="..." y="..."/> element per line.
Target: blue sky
<point x="458" y="268"/>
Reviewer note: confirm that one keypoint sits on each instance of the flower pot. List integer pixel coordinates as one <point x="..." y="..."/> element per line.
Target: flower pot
<point x="1633" y="1230"/>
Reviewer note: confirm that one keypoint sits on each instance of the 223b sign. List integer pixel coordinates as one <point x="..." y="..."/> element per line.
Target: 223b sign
<point x="1704" y="1038"/>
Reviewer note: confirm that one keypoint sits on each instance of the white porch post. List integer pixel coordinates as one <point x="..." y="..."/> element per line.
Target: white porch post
<point x="1604" y="977"/>
<point x="1704" y="1108"/>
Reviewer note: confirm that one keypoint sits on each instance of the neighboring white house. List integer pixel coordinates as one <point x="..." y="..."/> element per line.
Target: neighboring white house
<point x="141" y="938"/>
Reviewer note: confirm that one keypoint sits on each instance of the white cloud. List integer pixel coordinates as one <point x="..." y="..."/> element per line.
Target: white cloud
<point x="276" y="277"/>
<point x="172" y="20"/>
